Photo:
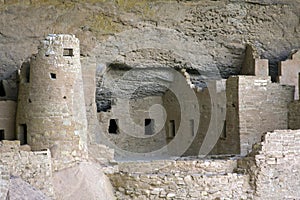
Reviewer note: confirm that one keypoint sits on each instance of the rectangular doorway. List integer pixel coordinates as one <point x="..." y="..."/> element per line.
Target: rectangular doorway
<point x="113" y="126"/>
<point x="23" y="133"/>
<point x="149" y="127"/>
<point x="1" y="134"/>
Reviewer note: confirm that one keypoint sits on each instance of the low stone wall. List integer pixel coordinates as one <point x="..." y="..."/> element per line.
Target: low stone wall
<point x="181" y="186"/>
<point x="181" y="179"/>
<point x="274" y="166"/>
<point x="32" y="167"/>
<point x="270" y="171"/>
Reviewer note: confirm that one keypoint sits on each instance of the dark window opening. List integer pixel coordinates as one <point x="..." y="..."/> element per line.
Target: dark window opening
<point x="1" y="135"/>
<point x="52" y="75"/>
<point x="171" y="129"/>
<point x="149" y="127"/>
<point x="23" y="133"/>
<point x="2" y="89"/>
<point x="68" y="52"/>
<point x="223" y="134"/>
<point x="27" y="74"/>
<point x="192" y="127"/>
<point x="65" y="97"/>
<point x="29" y="101"/>
<point x="113" y="126"/>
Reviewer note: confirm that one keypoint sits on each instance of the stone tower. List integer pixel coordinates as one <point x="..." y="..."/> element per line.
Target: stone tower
<point x="51" y="109"/>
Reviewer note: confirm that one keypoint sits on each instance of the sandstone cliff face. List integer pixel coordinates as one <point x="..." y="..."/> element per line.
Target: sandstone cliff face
<point x="208" y="35"/>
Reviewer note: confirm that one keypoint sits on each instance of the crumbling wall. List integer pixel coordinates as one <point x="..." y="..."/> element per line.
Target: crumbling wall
<point x="182" y="116"/>
<point x="32" y="167"/>
<point x="8" y="119"/>
<point x="288" y="72"/>
<point x="261" y="106"/>
<point x="208" y="179"/>
<point x="4" y="180"/>
<point x="253" y="64"/>
<point x="210" y="136"/>
<point x="274" y="166"/>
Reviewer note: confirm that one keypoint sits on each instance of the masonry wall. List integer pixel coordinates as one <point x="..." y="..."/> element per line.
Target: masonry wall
<point x="270" y="171"/>
<point x="8" y="119"/>
<point x="4" y="181"/>
<point x="51" y="108"/>
<point x="130" y="117"/>
<point x="89" y="83"/>
<point x="32" y="167"/>
<point x="182" y="116"/>
<point x="261" y="105"/>
<point x="274" y="166"/>
<point x="294" y="115"/>
<point x="209" y="179"/>
<point x="288" y="72"/>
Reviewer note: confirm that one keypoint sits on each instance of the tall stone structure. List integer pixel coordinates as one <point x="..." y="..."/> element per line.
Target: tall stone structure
<point x="51" y="109"/>
<point x="253" y="109"/>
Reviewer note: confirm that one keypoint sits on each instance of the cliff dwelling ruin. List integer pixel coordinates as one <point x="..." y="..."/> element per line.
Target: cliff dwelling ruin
<point x="150" y="113"/>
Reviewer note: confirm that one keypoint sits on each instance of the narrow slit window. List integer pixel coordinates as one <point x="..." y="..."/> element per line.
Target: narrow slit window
<point x="192" y="127"/>
<point x="149" y="127"/>
<point x="223" y="134"/>
<point x="68" y="52"/>
<point x="27" y="74"/>
<point x="171" y="129"/>
<point x="2" y="135"/>
<point x="113" y="126"/>
<point x="23" y="133"/>
<point x="25" y="69"/>
<point x="53" y="76"/>
<point x="2" y="89"/>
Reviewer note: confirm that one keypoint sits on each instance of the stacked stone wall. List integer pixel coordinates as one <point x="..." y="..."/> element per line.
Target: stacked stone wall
<point x="32" y="167"/>
<point x="261" y="106"/>
<point x="274" y="166"/>
<point x="4" y="181"/>
<point x="51" y="107"/>
<point x="294" y="115"/>
<point x="207" y="179"/>
<point x="130" y="137"/>
<point x="8" y="118"/>
<point x="183" y="165"/>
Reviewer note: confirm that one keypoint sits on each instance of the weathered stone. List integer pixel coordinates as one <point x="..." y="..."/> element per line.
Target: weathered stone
<point x="289" y="72"/>
<point x="56" y="67"/>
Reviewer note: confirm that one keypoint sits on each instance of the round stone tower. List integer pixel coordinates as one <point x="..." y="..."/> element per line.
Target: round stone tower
<point x="51" y="109"/>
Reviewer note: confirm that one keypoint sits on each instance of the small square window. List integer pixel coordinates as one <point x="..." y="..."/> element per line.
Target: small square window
<point x="52" y="75"/>
<point x="68" y="52"/>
